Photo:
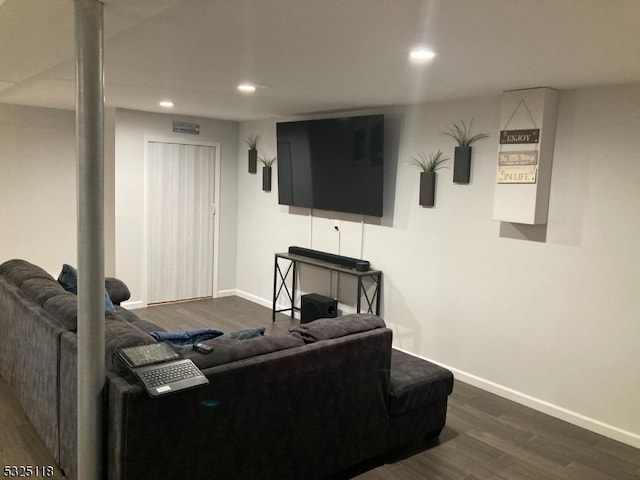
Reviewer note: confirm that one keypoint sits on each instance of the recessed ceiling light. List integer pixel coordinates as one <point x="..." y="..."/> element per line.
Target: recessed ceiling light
<point x="421" y="55"/>
<point x="247" y="87"/>
<point x="166" y="103"/>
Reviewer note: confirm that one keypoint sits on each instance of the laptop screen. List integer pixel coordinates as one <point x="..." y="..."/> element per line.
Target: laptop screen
<point x="148" y="354"/>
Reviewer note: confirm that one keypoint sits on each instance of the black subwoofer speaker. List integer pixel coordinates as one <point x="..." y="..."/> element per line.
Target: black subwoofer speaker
<point x="314" y="306"/>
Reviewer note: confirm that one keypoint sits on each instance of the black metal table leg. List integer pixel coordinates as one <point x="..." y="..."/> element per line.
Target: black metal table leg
<point x="275" y="276"/>
<point x="293" y="289"/>
<point x="283" y="284"/>
<point x="378" y="291"/>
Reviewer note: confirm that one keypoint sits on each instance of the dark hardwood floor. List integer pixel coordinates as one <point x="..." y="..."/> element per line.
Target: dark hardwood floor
<point x="486" y="437"/>
<point x="20" y="445"/>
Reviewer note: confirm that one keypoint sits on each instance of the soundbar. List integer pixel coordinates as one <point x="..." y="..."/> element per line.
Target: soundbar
<point x="349" y="262"/>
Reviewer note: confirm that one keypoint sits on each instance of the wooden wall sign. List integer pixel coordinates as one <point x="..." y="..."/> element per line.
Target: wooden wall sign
<point x="511" y="158"/>
<point x="517" y="166"/>
<point x="517" y="175"/>
<point x="510" y="137"/>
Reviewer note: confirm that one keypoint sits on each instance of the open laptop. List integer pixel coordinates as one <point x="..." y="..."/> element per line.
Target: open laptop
<point x="161" y="369"/>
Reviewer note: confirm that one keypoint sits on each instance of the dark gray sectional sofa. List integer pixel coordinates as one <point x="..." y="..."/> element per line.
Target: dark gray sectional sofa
<point x="327" y="396"/>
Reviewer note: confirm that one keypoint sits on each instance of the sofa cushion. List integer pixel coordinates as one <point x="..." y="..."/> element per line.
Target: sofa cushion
<point x="328" y="328"/>
<point x="39" y="289"/>
<point x="227" y="350"/>
<point x="64" y="308"/>
<point x="415" y="383"/>
<point x="17" y="271"/>
<point x="118" y="334"/>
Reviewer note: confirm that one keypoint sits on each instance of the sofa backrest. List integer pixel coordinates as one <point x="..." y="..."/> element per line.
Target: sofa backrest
<point x="17" y="271"/>
<point x="329" y="328"/>
<point x="29" y="357"/>
<point x="268" y="416"/>
<point x="41" y="289"/>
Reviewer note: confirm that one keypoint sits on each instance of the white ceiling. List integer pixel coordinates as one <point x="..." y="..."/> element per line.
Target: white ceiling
<point x="316" y="55"/>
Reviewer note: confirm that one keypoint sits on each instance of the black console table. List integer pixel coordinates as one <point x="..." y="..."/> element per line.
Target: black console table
<point x="280" y="276"/>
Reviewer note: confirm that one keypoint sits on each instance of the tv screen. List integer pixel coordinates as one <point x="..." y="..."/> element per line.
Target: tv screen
<point x="332" y="164"/>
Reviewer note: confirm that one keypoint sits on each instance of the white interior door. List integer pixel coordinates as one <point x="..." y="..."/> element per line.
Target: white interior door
<point x="180" y="221"/>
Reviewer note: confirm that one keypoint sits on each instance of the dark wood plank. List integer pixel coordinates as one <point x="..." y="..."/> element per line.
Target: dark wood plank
<point x="226" y="314"/>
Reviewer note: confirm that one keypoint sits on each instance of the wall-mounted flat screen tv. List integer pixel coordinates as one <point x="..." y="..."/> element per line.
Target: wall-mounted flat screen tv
<point x="332" y="164"/>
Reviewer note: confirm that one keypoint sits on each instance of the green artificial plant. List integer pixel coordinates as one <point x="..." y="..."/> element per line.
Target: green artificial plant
<point x="462" y="134"/>
<point x="429" y="162"/>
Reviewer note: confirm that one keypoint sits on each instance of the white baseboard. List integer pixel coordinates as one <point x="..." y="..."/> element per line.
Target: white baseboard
<point x="226" y="293"/>
<point x="259" y="300"/>
<point x="133" y="305"/>
<point x="543" y="406"/>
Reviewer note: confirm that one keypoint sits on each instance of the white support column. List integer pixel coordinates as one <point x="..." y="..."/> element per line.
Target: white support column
<point x="90" y="178"/>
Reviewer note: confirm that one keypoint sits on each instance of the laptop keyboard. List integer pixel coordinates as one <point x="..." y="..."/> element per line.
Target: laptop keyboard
<point x="163" y="375"/>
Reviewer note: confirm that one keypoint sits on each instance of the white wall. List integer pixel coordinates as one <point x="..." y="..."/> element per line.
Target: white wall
<point x="544" y="315"/>
<point x="38" y="186"/>
<point x="132" y="130"/>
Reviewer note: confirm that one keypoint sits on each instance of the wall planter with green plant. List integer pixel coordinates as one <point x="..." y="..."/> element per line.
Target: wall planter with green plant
<point x="267" y="162"/>
<point x="462" y="154"/>
<point x="252" y="143"/>
<point x="429" y="164"/>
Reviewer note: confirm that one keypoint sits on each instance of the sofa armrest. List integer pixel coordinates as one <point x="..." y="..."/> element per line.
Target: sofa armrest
<point x="415" y="383"/>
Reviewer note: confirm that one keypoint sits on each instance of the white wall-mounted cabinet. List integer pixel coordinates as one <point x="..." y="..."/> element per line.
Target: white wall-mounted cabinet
<point x="525" y="155"/>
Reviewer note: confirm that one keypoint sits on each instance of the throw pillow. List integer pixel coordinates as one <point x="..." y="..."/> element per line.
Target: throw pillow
<point x="117" y="290"/>
<point x="68" y="277"/>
